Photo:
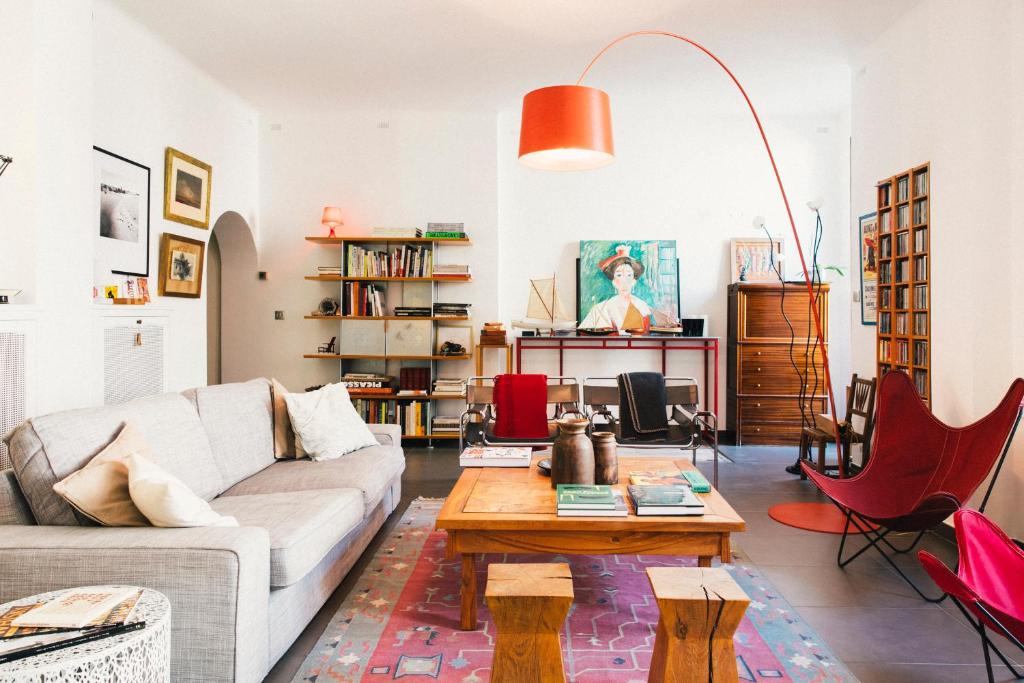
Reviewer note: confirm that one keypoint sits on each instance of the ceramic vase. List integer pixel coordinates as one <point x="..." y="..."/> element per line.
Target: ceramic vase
<point x="606" y="458"/>
<point x="572" y="456"/>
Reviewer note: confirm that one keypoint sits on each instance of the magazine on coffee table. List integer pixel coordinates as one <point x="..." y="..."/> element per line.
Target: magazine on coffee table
<point x="496" y="456"/>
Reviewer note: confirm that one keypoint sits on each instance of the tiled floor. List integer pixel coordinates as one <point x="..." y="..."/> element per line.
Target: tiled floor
<point x="867" y="615"/>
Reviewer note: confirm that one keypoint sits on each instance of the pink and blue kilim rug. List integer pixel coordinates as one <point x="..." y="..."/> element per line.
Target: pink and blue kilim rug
<point x="401" y="620"/>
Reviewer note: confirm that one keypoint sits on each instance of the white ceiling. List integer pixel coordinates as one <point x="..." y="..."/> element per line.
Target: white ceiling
<point x="287" y="55"/>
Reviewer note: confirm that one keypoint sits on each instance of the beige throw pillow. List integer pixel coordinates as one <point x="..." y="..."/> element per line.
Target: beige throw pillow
<point x="285" y="443"/>
<point x="100" y="489"/>
<point x="165" y="500"/>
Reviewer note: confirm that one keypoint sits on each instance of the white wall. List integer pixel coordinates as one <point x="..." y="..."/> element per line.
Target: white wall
<point x="86" y="74"/>
<point x="938" y="86"/>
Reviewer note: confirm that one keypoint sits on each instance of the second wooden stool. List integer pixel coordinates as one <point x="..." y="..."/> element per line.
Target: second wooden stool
<point x="700" y="611"/>
<point x="529" y="603"/>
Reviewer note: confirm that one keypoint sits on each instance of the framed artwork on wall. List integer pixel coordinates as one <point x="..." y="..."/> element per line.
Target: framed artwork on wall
<point x="868" y="269"/>
<point x="122" y="214"/>
<point x="627" y="284"/>
<point x="181" y="266"/>
<point x="186" y="189"/>
<point x="752" y="259"/>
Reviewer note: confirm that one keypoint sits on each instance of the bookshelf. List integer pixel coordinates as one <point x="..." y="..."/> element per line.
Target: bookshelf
<point x="362" y="275"/>
<point x="904" y="277"/>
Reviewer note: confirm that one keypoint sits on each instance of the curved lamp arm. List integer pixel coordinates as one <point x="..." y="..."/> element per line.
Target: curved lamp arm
<point x="782" y="191"/>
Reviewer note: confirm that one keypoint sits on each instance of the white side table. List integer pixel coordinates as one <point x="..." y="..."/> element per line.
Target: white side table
<point x="142" y="656"/>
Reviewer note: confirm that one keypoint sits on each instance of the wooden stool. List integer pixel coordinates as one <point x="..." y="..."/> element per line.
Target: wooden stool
<point x="697" y="606"/>
<point x="529" y="603"/>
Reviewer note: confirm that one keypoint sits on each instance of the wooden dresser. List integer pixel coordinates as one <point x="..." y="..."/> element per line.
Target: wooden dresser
<point x="763" y="389"/>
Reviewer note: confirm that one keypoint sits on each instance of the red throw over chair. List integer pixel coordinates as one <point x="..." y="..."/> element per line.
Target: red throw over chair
<point x="989" y="583"/>
<point x="920" y="471"/>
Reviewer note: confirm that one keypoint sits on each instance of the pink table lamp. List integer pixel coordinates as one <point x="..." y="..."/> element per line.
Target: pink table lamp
<point x="332" y="218"/>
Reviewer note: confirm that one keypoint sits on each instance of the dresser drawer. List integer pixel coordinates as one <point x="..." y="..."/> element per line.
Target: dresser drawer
<point x="760" y="313"/>
<point x="779" y="378"/>
<point x="778" y="433"/>
<point x="776" y="353"/>
<point x="777" y="409"/>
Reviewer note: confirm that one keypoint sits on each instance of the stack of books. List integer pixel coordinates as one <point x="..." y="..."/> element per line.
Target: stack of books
<point x="400" y="233"/>
<point x="502" y="456"/>
<point x="452" y="271"/>
<point x="414" y="380"/>
<point x="328" y="270"/>
<point x="582" y="500"/>
<point x="493" y="334"/>
<point x="412" y="311"/>
<point x="362" y="299"/>
<point x="367" y="383"/>
<point x="446" y="231"/>
<point x="451" y="310"/>
<point x="402" y="261"/>
<point x="444" y="424"/>
<point x="670" y="500"/>
<point x="450" y="387"/>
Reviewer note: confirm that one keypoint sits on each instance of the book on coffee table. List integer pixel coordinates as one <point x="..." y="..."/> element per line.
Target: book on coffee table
<point x="618" y="510"/>
<point x="75" y="608"/>
<point x="666" y="477"/>
<point x="495" y="456"/>
<point x="665" y="500"/>
<point x="585" y="497"/>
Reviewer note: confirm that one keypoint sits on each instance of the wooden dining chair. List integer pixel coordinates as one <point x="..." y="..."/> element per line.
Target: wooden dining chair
<point x="860" y="404"/>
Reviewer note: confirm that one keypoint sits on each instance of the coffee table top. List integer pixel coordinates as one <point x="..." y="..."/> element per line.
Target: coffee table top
<point x="521" y="499"/>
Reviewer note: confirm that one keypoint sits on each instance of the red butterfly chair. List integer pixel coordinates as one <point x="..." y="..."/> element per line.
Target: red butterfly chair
<point x="989" y="582"/>
<point x="920" y="471"/>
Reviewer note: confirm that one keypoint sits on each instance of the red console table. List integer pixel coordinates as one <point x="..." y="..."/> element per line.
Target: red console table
<point x="708" y="345"/>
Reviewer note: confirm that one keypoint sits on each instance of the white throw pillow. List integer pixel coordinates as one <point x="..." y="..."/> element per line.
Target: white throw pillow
<point x="165" y="500"/>
<point x="326" y="423"/>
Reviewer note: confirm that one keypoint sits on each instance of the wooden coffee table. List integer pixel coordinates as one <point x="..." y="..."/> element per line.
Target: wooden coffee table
<point x="512" y="510"/>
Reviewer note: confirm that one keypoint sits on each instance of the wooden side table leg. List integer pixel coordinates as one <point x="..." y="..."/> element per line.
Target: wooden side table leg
<point x="700" y="612"/>
<point x="468" y="584"/>
<point x="704" y="561"/>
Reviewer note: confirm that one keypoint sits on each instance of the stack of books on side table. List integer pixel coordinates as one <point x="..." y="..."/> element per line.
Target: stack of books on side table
<point x="493" y="334"/>
<point x="495" y="456"/>
<point x="583" y="500"/>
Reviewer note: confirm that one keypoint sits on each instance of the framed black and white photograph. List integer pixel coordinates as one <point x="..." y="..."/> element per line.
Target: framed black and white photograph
<point x="122" y="214"/>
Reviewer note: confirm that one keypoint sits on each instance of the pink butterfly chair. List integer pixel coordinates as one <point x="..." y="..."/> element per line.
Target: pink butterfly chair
<point x="921" y="470"/>
<point x="989" y="583"/>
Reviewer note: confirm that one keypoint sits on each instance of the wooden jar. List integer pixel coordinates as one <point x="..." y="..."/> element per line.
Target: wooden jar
<point x="572" y="455"/>
<point x="606" y="458"/>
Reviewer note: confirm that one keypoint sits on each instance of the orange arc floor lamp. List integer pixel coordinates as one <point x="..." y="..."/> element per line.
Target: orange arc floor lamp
<point x="569" y="128"/>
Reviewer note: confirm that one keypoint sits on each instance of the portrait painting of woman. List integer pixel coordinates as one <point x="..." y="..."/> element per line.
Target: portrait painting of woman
<point x="628" y="285"/>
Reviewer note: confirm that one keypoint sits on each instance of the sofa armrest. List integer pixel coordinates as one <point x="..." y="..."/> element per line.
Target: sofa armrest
<point x="387" y="435"/>
<point x="216" y="578"/>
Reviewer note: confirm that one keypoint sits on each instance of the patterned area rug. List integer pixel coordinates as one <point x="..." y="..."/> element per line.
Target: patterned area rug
<point x="401" y="620"/>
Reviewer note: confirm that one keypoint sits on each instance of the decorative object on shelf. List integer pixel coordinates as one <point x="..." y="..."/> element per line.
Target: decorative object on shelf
<point x="186" y="189"/>
<point x="122" y="236"/>
<point x="752" y="258"/>
<point x="606" y="458"/>
<point x="568" y="127"/>
<point x="181" y="266"/>
<point x="627" y="285"/>
<point x="545" y="310"/>
<point x="572" y="455"/>
<point x="329" y="347"/>
<point x="7" y="294"/>
<point x="328" y="307"/>
<point x="453" y="340"/>
<point x="869" y="268"/>
<point x="331" y="218"/>
<point x="5" y="161"/>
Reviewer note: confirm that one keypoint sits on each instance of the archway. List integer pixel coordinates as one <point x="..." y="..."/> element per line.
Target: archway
<point x="231" y="266"/>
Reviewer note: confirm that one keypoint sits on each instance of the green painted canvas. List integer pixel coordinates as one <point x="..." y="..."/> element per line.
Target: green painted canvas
<point x="627" y="284"/>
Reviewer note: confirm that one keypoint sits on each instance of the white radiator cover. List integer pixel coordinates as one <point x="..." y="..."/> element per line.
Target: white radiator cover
<point x="13" y="396"/>
<point x="133" y="360"/>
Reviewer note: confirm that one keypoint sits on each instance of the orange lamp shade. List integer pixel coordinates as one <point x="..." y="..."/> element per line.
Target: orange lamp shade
<point x="331" y="218"/>
<point x="566" y="128"/>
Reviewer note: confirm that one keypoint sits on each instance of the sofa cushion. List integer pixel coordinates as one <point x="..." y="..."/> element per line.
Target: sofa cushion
<point x="302" y="529"/>
<point x="239" y="423"/>
<point x="46" y="449"/>
<point x="369" y="469"/>
<point x="13" y="506"/>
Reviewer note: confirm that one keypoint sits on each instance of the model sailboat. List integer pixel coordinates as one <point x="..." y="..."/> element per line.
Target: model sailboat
<point x="545" y="310"/>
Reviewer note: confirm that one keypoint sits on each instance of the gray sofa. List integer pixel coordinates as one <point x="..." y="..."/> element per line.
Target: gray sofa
<point x="239" y="596"/>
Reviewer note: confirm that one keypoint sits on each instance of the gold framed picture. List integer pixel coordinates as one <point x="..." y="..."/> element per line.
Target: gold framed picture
<point x="181" y="266"/>
<point x="186" y="189"/>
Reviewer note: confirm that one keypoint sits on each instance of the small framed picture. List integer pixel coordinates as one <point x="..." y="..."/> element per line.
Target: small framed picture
<point x="122" y="214"/>
<point x="181" y="266"/>
<point x="756" y="259"/>
<point x="186" y="189"/>
<point x="453" y="340"/>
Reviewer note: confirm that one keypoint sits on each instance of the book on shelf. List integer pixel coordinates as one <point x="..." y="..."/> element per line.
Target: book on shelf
<point x="902" y="189"/>
<point x="450" y="270"/>
<point x="402" y="261"/>
<point x="902" y="217"/>
<point x="585" y="497"/>
<point x="619" y="509"/>
<point x="883" y="194"/>
<point x="76" y="608"/>
<point x="329" y="270"/>
<point x="921" y="324"/>
<point x="451" y="310"/>
<point x="442" y="235"/>
<point x="410" y="393"/>
<point x="417" y="379"/>
<point x="920" y="211"/>
<point x="363" y="299"/>
<point x="444" y="424"/>
<point x="921" y="183"/>
<point x="412" y="311"/>
<point x="885" y="221"/>
<point x="665" y="500"/>
<point x="920" y="239"/>
<point x="397" y="232"/>
<point x="495" y="456"/>
<point x="452" y="388"/>
<point x="920" y="296"/>
<point x="446" y="227"/>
